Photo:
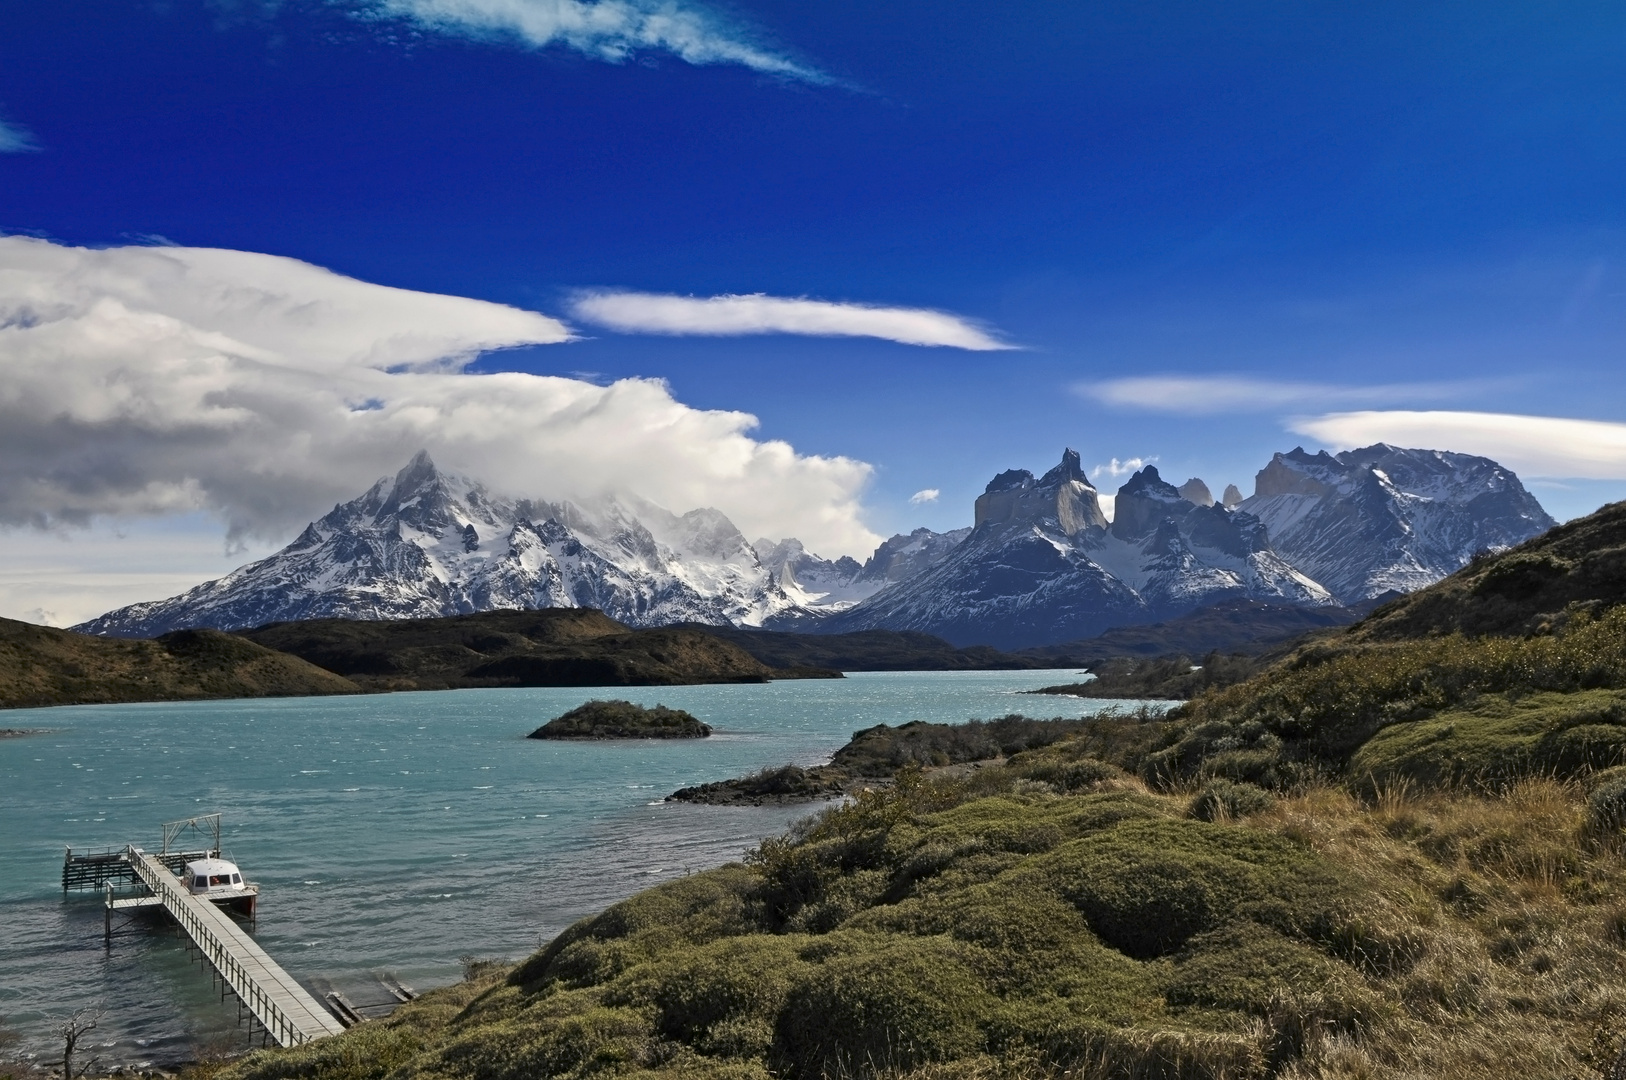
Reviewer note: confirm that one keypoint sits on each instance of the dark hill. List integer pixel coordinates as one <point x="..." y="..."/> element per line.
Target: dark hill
<point x="866" y="650"/>
<point x="1233" y="626"/>
<point x="550" y="647"/>
<point x="40" y="665"/>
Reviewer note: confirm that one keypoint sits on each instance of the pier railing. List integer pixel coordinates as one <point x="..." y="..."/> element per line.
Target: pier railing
<point x="288" y="1014"/>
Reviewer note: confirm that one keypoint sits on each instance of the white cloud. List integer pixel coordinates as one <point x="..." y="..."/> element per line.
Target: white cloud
<point x="1116" y="468"/>
<point x="1534" y="445"/>
<point x="1206" y="394"/>
<point x="140" y="381"/>
<point x="924" y="495"/>
<point x="607" y="29"/>
<point x="733" y="315"/>
<point x="1109" y="505"/>
<point x="16" y="139"/>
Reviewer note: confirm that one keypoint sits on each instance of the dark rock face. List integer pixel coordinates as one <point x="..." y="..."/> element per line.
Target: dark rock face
<point x="622" y="720"/>
<point x="1380" y="519"/>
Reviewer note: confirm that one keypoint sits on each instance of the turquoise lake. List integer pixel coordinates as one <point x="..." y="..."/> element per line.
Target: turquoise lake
<point x="394" y="833"/>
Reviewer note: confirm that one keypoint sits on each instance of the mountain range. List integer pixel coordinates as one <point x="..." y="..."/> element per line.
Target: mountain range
<point x="1041" y="563"/>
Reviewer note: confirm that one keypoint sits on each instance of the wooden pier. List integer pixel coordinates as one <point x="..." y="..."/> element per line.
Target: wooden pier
<point x="132" y="879"/>
<point x="281" y="1006"/>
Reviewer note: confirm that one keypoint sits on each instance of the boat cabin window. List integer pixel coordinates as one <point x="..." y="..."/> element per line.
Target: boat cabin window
<point x="200" y="882"/>
<point x="237" y="879"/>
<point x="219" y="879"/>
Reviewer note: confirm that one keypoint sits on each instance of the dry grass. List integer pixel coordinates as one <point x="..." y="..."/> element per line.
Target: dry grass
<point x="1521" y="964"/>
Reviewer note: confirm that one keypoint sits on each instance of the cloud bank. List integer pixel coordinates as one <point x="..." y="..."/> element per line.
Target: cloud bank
<point x="1198" y="395"/>
<point x="607" y="29"/>
<point x="16" y="139"/>
<point x="736" y="315"/>
<point x="141" y="381"/>
<point x="1548" y="446"/>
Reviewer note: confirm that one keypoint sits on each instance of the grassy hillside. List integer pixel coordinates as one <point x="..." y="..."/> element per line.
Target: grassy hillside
<point x="1053" y="917"/>
<point x="40" y="665"/>
<point x="551" y="647"/>
<point x="1395" y="852"/>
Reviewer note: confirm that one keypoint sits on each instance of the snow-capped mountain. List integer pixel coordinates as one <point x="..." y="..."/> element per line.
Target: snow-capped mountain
<point x="427" y="543"/>
<point x="1381" y="519"/>
<point x="822" y="586"/>
<point x="1042" y="564"/>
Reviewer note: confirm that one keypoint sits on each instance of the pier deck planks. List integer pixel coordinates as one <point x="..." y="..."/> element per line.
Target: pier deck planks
<point x="280" y="1004"/>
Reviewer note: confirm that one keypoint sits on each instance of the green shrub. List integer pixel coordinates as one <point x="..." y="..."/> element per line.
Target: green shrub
<point x="1222" y="800"/>
<point x="1493" y="740"/>
<point x="1066" y="777"/>
<point x="1146" y="887"/>
<point x="886" y="1004"/>
<point x="1606" y="807"/>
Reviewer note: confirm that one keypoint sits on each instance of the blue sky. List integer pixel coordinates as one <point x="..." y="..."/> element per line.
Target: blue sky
<point x="1265" y="213"/>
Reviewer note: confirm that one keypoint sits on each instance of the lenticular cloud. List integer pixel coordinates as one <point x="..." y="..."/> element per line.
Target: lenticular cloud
<point x="755" y="313"/>
<point x="264" y="389"/>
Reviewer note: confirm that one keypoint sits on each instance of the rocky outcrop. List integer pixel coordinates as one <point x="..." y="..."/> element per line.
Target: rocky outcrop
<point x="622" y="720"/>
<point x="1195" y="491"/>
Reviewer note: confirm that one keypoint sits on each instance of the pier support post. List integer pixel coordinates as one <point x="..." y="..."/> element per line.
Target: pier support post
<point x="107" y="920"/>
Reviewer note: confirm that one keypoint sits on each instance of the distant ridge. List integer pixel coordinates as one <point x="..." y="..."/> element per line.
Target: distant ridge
<point x="40" y="665"/>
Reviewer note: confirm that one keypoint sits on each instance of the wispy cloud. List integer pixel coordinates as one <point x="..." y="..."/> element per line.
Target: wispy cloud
<point x="924" y="495"/>
<point x="16" y="139"/>
<point x="613" y="30"/>
<point x="1535" y="445"/>
<point x="1116" y="468"/>
<point x="755" y="313"/>
<point x="1206" y="394"/>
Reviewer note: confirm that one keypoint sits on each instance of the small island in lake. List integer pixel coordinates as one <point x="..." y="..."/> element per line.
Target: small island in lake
<point x="622" y="720"/>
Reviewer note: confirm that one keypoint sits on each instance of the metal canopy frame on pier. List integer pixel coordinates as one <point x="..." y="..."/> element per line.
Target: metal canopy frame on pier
<point x="204" y="826"/>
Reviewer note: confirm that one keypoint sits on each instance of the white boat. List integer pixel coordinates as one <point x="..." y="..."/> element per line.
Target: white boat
<point x="220" y="881"/>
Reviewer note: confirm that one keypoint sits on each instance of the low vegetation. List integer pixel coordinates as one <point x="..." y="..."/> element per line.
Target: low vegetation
<point x="1164" y="678"/>
<point x="874" y="757"/>
<point x="1055" y="916"/>
<point x="622" y="720"/>
<point x="40" y="665"/>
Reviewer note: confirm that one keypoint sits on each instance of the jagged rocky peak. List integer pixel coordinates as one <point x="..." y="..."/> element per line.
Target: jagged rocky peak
<point x="1232" y="497"/>
<point x="1299" y="473"/>
<point x="1145" y="501"/>
<point x="1195" y="491"/>
<point x="1063" y="495"/>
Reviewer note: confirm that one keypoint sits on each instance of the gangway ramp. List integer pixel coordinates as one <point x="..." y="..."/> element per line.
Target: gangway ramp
<point x="288" y="1014"/>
